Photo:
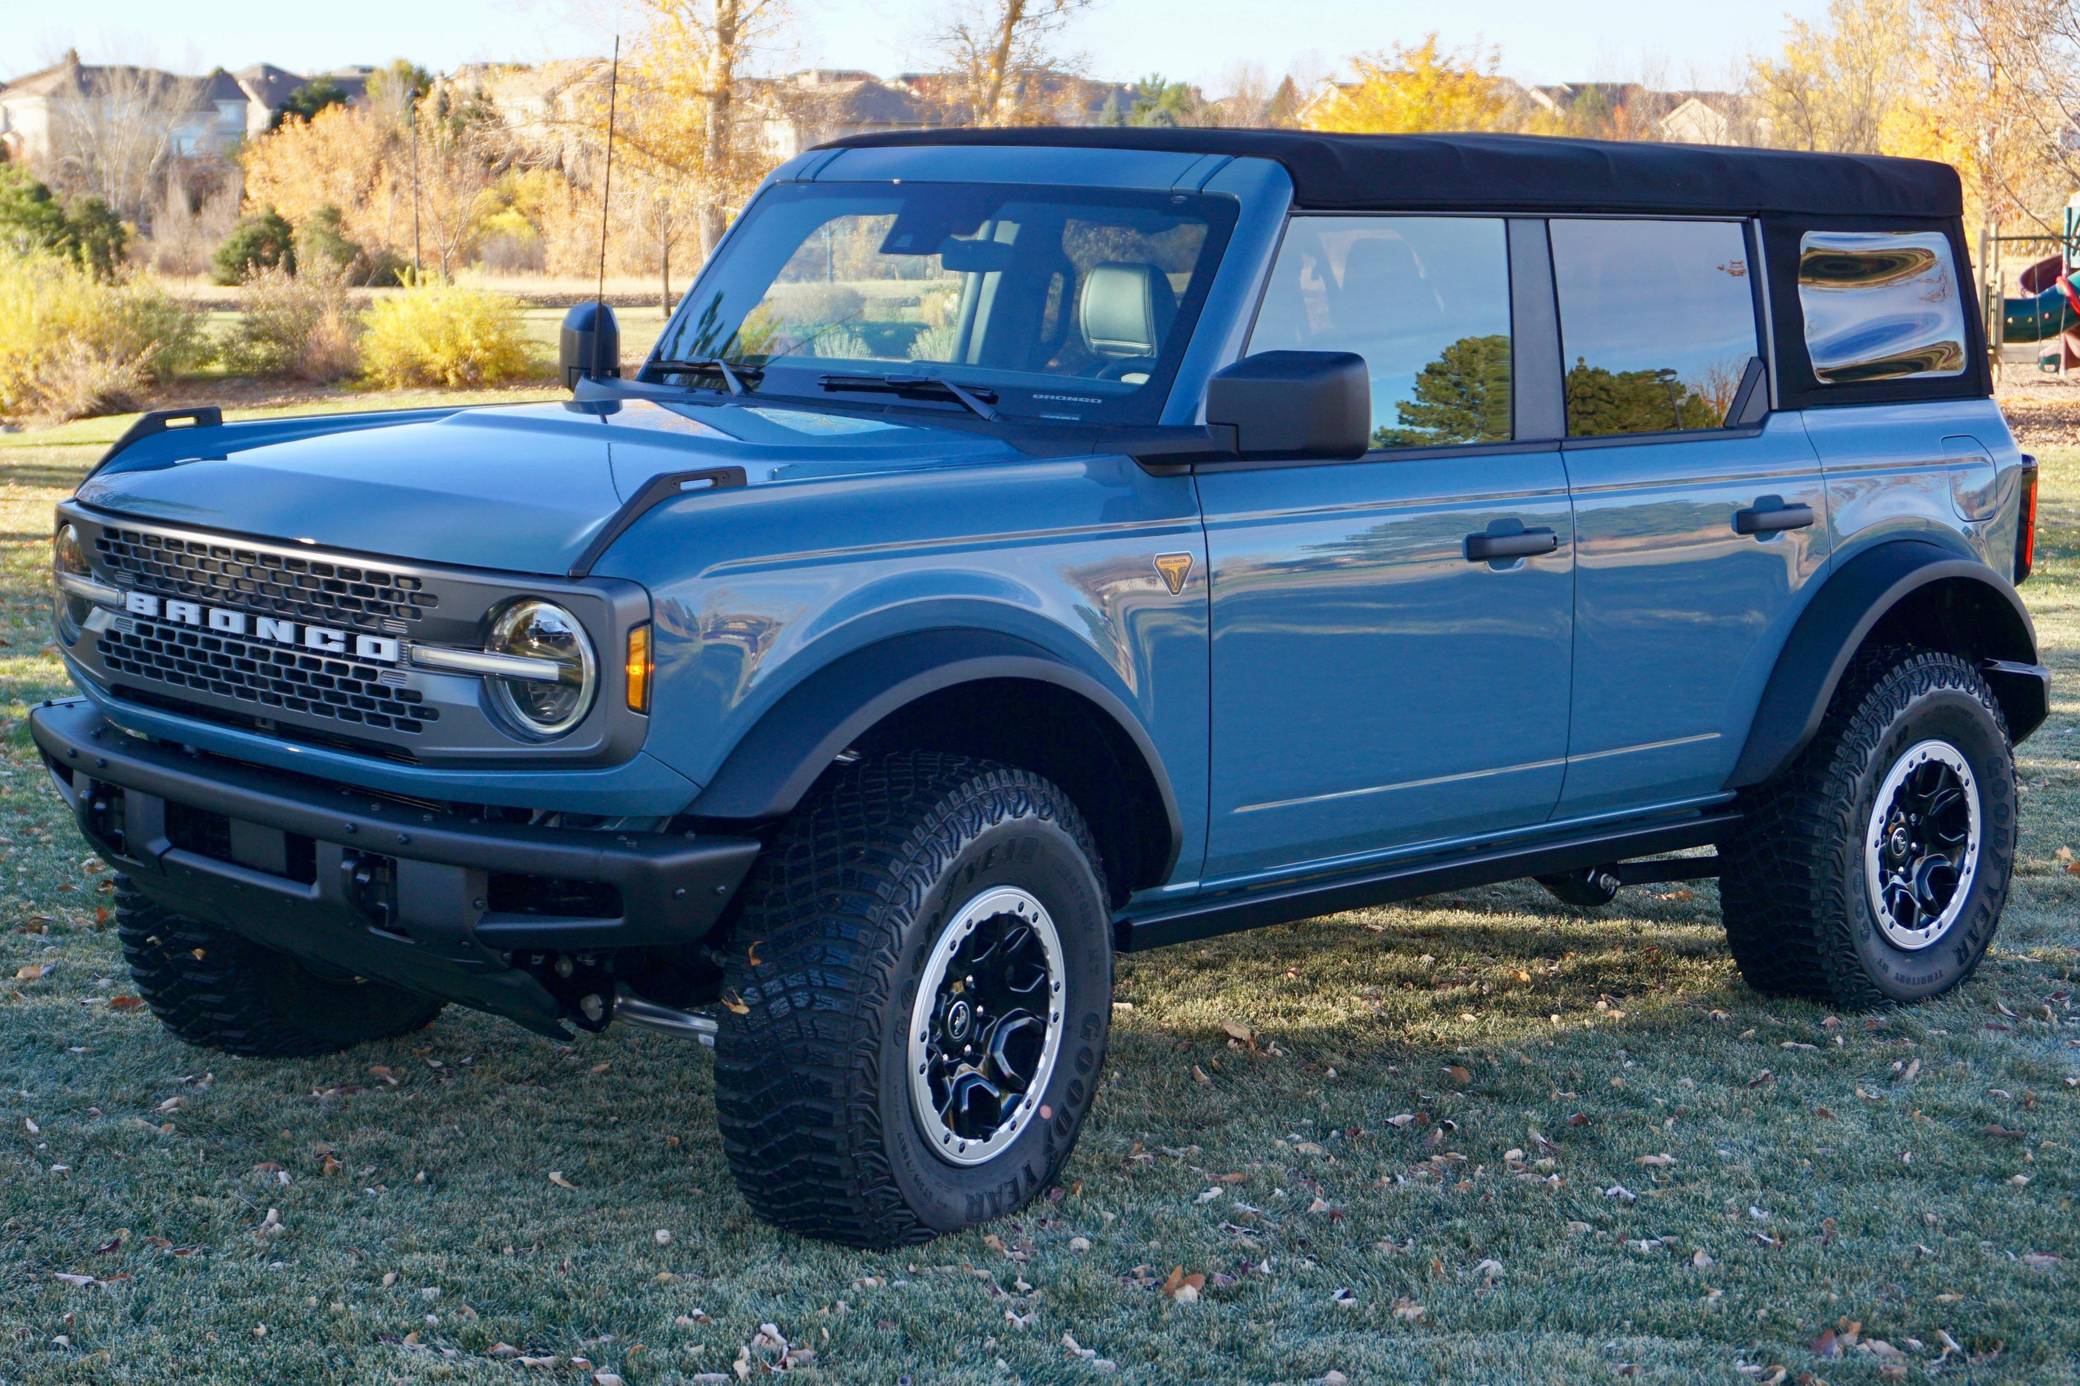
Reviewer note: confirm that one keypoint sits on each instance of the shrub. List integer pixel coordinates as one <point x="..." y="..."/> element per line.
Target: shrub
<point x="30" y="218"/>
<point x="438" y="333"/>
<point x="98" y="238"/>
<point x="814" y="304"/>
<point x="322" y="243"/>
<point x="262" y="241"/>
<point x="301" y="326"/>
<point x="72" y="345"/>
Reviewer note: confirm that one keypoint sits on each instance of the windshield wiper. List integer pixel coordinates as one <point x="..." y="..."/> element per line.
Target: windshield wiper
<point x="978" y="399"/>
<point x="733" y="373"/>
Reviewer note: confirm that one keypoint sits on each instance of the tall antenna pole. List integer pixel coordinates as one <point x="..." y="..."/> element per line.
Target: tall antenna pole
<point x="606" y="188"/>
<point x="416" y="268"/>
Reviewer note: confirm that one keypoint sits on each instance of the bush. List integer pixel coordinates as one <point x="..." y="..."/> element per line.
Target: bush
<point x="436" y="333"/>
<point x="99" y="239"/>
<point x="32" y="222"/>
<point x="72" y="345"/>
<point x="261" y="241"/>
<point x="300" y="326"/>
<point x="323" y="244"/>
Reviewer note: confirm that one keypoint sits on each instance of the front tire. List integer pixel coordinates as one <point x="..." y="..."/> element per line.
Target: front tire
<point x="1874" y="870"/>
<point x="220" y="991"/>
<point x="917" y="1002"/>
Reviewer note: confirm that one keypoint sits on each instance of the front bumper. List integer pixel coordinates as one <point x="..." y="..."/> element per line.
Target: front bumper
<point x="408" y="893"/>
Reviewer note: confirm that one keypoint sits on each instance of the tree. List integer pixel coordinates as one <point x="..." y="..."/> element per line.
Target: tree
<point x="2005" y="76"/>
<point x="1849" y="84"/>
<point x="1427" y="88"/>
<point x="682" y="111"/>
<point x="1160" y="102"/>
<point x="1461" y="397"/>
<point x="113" y="136"/>
<point x="97" y="237"/>
<point x="309" y="99"/>
<point x="262" y="241"/>
<point x="1601" y="401"/>
<point x="1003" y="52"/>
<point x="31" y="220"/>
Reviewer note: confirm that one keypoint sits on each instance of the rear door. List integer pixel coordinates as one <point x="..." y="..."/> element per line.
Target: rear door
<point x="1699" y="515"/>
<point x="1392" y="636"/>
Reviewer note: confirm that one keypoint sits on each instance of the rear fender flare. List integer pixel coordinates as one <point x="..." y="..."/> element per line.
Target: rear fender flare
<point x="1842" y="615"/>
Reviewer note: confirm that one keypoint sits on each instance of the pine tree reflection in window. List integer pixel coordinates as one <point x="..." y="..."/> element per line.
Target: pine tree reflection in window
<point x="1425" y="300"/>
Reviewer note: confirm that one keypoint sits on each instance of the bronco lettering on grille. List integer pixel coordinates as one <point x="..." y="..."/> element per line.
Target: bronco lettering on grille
<point x="382" y="649"/>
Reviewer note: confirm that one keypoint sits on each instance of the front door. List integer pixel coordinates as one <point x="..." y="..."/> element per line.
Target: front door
<point x="1392" y="637"/>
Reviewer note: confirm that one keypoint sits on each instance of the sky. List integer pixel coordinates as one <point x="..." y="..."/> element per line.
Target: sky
<point x="1667" y="42"/>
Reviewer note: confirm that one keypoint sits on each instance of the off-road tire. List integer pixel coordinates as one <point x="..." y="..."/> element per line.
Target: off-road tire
<point x="839" y="920"/>
<point x="220" y="991"/>
<point x="1797" y="908"/>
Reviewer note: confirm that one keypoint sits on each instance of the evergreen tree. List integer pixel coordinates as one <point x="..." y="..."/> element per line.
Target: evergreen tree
<point x="1461" y="397"/>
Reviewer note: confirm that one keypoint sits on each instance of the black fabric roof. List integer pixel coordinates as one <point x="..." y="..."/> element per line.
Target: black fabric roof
<point x="1496" y="172"/>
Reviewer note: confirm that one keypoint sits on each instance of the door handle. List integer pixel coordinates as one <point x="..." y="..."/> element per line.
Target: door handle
<point x="1770" y="516"/>
<point x="1485" y="548"/>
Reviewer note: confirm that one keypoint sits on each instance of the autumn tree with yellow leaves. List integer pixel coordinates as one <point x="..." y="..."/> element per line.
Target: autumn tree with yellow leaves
<point x="1427" y="87"/>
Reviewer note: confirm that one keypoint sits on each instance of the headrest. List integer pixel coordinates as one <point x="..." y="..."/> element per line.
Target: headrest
<point x="1126" y="309"/>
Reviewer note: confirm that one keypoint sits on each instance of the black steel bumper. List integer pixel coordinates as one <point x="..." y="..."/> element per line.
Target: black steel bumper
<point x="426" y="898"/>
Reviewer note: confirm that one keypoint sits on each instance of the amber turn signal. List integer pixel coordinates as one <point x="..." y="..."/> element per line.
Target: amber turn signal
<point x="638" y="668"/>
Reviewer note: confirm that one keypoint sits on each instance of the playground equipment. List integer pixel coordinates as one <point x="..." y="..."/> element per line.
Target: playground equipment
<point x="2048" y="310"/>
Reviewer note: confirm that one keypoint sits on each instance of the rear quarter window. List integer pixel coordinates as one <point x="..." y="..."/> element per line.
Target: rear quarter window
<point x="1880" y="305"/>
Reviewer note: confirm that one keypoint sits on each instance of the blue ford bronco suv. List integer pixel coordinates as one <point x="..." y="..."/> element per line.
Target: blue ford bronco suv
<point x="1023" y="547"/>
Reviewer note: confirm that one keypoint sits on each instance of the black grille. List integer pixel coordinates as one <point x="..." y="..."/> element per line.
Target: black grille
<point x="213" y="570"/>
<point x="268" y="675"/>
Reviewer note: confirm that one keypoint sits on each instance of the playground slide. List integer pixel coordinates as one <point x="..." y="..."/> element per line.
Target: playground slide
<point x="2050" y="305"/>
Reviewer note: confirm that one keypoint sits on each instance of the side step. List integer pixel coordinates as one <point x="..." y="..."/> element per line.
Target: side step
<point x="1297" y="900"/>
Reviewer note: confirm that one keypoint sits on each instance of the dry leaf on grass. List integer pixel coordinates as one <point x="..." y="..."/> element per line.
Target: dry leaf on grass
<point x="556" y="1178"/>
<point x="1182" y="1288"/>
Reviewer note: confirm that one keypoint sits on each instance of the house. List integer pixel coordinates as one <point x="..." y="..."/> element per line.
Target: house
<point x="198" y="117"/>
<point x="807" y="108"/>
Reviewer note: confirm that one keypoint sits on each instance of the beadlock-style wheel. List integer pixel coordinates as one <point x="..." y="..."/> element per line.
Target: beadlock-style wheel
<point x="986" y="1025"/>
<point x="1921" y="846"/>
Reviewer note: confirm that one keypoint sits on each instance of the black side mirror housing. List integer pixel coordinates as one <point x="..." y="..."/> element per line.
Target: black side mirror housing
<point x="1294" y="405"/>
<point x="589" y="347"/>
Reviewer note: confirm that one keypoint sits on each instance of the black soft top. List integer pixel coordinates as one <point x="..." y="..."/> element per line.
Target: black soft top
<point x="1522" y="172"/>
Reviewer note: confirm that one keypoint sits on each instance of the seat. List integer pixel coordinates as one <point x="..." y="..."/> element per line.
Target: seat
<point x="1125" y="310"/>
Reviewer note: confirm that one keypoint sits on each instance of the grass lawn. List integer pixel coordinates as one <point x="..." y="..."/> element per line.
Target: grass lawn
<point x="1482" y="1137"/>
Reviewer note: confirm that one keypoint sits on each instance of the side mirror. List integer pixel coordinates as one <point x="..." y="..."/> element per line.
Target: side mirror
<point x="589" y="347"/>
<point x="1298" y="405"/>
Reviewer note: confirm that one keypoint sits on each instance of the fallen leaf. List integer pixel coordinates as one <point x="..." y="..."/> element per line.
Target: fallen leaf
<point x="1237" y="1031"/>
<point x="734" y="1003"/>
<point x="1182" y="1288"/>
<point x="556" y="1178"/>
<point x="1826" y="1345"/>
<point x="31" y="972"/>
<point x="1407" y="1310"/>
<point x="125" y="1003"/>
<point x="1662" y="1161"/>
<point x="1459" y="1075"/>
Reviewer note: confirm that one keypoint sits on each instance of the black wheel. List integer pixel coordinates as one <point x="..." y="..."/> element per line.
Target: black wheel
<point x="1589" y="889"/>
<point x="916" y="1004"/>
<point x="218" y="990"/>
<point x="1875" y="869"/>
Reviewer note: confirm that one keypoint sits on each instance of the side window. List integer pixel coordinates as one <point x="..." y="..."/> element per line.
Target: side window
<point x="1425" y="300"/>
<point x="1880" y="305"/>
<point x="1657" y="323"/>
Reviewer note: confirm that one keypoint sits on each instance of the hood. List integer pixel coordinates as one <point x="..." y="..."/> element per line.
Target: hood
<point x="520" y="488"/>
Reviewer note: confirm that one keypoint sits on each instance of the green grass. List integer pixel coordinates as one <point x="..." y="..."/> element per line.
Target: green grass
<point x="1822" y="1170"/>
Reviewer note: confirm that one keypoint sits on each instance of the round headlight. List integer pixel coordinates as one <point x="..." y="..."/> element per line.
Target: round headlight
<point x="66" y="554"/>
<point x="543" y="631"/>
<point x="68" y="559"/>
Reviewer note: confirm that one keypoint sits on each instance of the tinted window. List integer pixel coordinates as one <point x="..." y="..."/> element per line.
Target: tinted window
<point x="1425" y="300"/>
<point x="1879" y="306"/>
<point x="1657" y="320"/>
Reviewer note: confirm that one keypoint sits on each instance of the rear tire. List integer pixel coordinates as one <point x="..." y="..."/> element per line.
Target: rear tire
<point x="1873" y="871"/>
<point x="887" y="970"/>
<point x="220" y="991"/>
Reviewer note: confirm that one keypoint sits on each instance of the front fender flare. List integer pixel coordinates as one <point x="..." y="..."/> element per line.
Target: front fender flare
<point x="769" y="770"/>
<point x="1833" y="627"/>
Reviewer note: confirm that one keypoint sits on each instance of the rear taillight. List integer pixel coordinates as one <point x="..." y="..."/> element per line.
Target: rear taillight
<point x="2026" y="541"/>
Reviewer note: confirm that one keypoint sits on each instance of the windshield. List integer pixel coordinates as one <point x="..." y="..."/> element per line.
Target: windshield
<point x="1059" y="303"/>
